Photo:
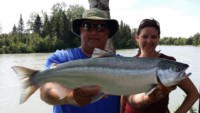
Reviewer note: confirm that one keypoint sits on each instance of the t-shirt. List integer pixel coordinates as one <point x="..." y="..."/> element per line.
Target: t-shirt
<point x="111" y="104"/>
<point x="157" y="107"/>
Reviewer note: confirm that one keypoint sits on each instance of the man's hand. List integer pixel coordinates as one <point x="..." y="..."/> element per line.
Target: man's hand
<point x="84" y="95"/>
<point x="56" y="94"/>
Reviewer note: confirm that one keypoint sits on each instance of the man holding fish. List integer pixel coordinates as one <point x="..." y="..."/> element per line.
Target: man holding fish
<point x="94" y="29"/>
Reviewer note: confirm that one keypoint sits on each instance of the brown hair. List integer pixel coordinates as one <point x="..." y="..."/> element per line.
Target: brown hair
<point x="148" y="23"/>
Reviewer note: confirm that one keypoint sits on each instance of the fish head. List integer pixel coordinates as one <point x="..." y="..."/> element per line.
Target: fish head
<point x="170" y="73"/>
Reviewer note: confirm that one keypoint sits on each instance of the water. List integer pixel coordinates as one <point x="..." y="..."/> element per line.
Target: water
<point x="10" y="86"/>
<point x="10" y="91"/>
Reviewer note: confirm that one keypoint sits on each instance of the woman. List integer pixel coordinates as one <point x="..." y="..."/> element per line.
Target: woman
<point x="148" y="36"/>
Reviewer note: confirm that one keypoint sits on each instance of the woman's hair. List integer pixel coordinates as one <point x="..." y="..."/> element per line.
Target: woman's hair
<point x="148" y="23"/>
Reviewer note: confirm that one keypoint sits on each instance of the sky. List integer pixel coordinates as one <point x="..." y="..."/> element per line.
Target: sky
<point x="178" y="18"/>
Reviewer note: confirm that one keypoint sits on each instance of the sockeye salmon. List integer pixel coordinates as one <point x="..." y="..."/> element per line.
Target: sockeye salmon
<point x="115" y="75"/>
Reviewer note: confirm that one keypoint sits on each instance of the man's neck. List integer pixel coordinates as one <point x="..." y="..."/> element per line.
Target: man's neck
<point x="87" y="52"/>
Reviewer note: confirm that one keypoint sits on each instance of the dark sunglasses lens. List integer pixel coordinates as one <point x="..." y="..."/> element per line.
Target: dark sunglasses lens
<point x="100" y="27"/>
<point x="90" y="27"/>
<point x="86" y="27"/>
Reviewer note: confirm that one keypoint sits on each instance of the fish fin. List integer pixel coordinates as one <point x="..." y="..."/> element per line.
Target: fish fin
<point x="28" y="87"/>
<point x="109" y="46"/>
<point x="53" y="65"/>
<point x="154" y="86"/>
<point x="98" y="97"/>
<point x="97" y="53"/>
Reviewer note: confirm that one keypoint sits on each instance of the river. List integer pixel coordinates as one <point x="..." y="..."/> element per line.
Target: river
<point x="10" y="86"/>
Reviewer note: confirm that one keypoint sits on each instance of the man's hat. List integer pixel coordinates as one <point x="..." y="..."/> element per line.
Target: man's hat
<point x="95" y="14"/>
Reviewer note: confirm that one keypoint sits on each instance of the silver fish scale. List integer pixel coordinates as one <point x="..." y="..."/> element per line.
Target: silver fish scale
<point x="114" y="62"/>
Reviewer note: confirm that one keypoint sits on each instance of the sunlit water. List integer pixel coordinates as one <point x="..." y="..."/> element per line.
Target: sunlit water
<point x="10" y="86"/>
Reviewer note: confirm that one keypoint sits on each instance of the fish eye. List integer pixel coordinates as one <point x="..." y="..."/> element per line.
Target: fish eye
<point x="178" y="69"/>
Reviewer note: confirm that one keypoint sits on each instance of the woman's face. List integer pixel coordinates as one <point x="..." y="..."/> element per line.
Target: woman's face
<point x="148" y="40"/>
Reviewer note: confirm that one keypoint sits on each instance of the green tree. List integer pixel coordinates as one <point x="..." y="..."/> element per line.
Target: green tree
<point x="46" y="27"/>
<point x="14" y="30"/>
<point x="37" y="26"/>
<point x="196" y="39"/>
<point x="167" y="41"/>
<point x="56" y="18"/>
<point x="31" y="21"/>
<point x="65" y="29"/>
<point x="58" y="8"/>
<point x="61" y="23"/>
<point x="74" y="12"/>
<point x="189" y="41"/>
<point x="124" y="39"/>
<point x="20" y="27"/>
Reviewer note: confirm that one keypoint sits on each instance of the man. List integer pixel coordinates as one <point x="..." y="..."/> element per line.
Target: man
<point x="94" y="29"/>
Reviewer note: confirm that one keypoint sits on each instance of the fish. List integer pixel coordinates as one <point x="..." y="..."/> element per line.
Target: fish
<point x="116" y="75"/>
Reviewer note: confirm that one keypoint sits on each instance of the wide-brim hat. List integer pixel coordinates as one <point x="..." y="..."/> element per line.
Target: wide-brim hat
<point x="95" y="14"/>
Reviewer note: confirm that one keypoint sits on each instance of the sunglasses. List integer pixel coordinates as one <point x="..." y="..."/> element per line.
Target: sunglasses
<point x="91" y="26"/>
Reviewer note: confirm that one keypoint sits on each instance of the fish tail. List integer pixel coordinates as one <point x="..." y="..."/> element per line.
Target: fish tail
<point x="28" y="87"/>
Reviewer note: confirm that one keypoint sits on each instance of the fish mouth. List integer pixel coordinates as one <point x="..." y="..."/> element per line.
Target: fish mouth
<point x="188" y="74"/>
<point x="184" y="74"/>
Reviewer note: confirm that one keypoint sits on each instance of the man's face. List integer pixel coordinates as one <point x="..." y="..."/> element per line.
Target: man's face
<point x="94" y="34"/>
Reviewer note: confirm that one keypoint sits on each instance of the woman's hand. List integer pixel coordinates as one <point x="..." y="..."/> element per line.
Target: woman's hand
<point x="159" y="93"/>
<point x="141" y="101"/>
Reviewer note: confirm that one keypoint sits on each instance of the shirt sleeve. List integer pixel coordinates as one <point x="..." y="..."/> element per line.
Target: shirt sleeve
<point x="58" y="57"/>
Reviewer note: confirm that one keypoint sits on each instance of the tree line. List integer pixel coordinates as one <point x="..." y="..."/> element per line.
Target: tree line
<point x="193" y="40"/>
<point x="47" y="33"/>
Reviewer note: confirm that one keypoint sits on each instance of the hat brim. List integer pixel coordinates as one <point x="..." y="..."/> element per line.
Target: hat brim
<point x="112" y="24"/>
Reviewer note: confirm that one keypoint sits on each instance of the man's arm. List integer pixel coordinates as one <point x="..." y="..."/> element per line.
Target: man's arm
<point x="55" y="94"/>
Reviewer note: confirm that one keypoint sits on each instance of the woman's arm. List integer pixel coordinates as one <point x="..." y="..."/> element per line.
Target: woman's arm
<point x="141" y="101"/>
<point x="191" y="95"/>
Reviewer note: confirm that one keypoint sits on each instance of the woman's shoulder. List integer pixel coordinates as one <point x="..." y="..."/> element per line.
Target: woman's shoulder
<point x="166" y="57"/>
